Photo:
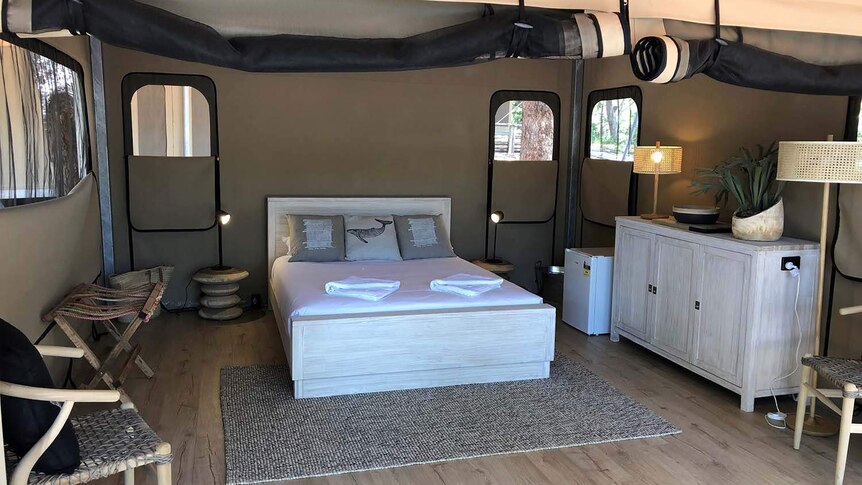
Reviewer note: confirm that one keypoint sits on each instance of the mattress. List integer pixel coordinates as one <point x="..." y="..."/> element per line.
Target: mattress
<point x="298" y="286"/>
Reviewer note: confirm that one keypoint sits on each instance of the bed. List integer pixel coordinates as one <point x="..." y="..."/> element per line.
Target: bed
<point x="414" y="338"/>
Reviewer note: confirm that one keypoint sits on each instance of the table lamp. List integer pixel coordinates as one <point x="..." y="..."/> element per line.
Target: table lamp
<point x="657" y="160"/>
<point x="825" y="162"/>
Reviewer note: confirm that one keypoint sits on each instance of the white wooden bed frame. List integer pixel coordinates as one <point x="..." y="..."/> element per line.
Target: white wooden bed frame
<point x="355" y="353"/>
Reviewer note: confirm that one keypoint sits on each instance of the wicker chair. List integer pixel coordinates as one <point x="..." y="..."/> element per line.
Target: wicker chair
<point x="846" y="375"/>
<point x="110" y="441"/>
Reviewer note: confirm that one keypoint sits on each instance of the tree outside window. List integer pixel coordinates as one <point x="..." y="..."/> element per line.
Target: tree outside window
<point x="614" y="129"/>
<point x="524" y="131"/>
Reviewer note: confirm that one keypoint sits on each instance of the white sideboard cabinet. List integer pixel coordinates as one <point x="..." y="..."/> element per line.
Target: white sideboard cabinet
<point x="718" y="306"/>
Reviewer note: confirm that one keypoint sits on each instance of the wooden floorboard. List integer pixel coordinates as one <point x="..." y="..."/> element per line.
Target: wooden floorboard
<point x="719" y="444"/>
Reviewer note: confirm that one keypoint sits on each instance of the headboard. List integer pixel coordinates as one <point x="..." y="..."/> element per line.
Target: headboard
<point x="278" y="207"/>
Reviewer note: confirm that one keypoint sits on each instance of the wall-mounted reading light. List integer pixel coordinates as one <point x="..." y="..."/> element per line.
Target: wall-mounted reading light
<point x="496" y="218"/>
<point x="223" y="217"/>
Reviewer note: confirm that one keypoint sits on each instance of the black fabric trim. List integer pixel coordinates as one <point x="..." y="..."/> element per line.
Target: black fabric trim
<point x="76" y="16"/>
<point x="627" y="30"/>
<point x="4" y="22"/>
<point x="679" y="59"/>
<point x="649" y="58"/>
<point x="133" y="25"/>
<point x="600" y="48"/>
<point x="717" y="19"/>
<point x="749" y="66"/>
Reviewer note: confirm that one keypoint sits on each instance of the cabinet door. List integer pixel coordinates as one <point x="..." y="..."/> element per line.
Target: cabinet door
<point x="632" y="258"/>
<point x="719" y="323"/>
<point x="675" y="263"/>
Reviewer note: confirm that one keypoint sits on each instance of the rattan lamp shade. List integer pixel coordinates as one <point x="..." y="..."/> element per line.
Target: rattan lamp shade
<point x="820" y="161"/>
<point x="658" y="160"/>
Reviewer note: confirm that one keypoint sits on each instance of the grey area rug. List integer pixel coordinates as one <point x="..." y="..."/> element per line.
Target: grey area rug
<point x="270" y="436"/>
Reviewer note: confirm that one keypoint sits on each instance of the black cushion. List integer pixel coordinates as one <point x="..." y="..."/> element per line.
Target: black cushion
<point x="24" y="420"/>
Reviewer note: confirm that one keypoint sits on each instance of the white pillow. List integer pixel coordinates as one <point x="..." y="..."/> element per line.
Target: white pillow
<point x="371" y="238"/>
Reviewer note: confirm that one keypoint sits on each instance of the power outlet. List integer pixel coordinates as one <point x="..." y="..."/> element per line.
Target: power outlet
<point x="791" y="259"/>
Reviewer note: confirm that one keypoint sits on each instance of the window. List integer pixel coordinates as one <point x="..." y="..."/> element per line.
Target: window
<point x="859" y="129"/>
<point x="44" y="143"/>
<point x="614" y="121"/>
<point x="524" y="130"/>
<point x="171" y="121"/>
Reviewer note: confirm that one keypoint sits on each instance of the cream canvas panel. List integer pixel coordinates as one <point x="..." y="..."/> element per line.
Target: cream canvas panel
<point x="605" y="190"/>
<point x="524" y="191"/>
<point x="172" y="192"/>
<point x="848" y="256"/>
<point x="46" y="249"/>
<point x="823" y="16"/>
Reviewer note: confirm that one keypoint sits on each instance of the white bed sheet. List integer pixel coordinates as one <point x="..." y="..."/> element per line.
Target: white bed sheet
<point x="299" y="287"/>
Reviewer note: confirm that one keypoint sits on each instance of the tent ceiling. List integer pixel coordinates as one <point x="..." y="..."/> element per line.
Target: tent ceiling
<point x="821" y="16"/>
<point x="335" y="18"/>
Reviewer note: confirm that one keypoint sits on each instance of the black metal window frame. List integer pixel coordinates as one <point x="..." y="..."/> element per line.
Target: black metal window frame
<point x="593" y="99"/>
<point x="48" y="51"/>
<point x="599" y="95"/>
<point x="851" y="129"/>
<point x="131" y="83"/>
<point x="552" y="100"/>
<point x="851" y="133"/>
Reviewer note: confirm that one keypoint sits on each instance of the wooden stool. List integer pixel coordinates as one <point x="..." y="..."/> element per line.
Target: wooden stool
<point x="100" y="304"/>
<point x="847" y="375"/>
<point x="219" y="287"/>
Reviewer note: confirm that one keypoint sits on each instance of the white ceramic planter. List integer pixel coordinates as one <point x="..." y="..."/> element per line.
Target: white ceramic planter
<point x="766" y="226"/>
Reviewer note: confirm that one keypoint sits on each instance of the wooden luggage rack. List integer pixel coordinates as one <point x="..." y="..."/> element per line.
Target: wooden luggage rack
<point x="99" y="304"/>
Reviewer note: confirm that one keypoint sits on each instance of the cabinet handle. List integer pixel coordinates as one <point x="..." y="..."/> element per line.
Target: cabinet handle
<point x="696" y="305"/>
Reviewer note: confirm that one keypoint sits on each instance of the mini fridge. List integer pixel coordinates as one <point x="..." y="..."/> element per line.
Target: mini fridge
<point x="587" y="289"/>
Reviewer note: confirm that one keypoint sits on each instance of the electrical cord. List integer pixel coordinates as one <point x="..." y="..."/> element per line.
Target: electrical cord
<point x="778" y="416"/>
<point x="184" y="307"/>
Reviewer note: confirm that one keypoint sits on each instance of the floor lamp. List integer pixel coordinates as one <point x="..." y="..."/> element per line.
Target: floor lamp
<point x="825" y="162"/>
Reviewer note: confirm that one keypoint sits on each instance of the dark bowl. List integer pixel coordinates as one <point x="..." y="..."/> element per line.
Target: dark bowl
<point x="696" y="214"/>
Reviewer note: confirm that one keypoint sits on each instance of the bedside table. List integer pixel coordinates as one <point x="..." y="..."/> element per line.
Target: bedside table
<point x="503" y="268"/>
<point x="219" y="287"/>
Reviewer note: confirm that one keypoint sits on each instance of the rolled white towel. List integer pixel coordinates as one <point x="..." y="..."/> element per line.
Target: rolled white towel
<point x="466" y="284"/>
<point x="371" y="289"/>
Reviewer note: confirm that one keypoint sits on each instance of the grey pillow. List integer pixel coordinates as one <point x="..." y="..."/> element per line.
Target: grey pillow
<point x="316" y="238"/>
<point x="369" y="238"/>
<point x="423" y="237"/>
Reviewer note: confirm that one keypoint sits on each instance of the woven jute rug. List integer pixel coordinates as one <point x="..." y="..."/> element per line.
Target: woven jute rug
<point x="271" y="436"/>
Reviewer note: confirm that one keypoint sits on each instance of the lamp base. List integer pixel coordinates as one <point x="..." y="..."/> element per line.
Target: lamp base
<point x="653" y="215"/>
<point x="814" y="426"/>
<point x="495" y="261"/>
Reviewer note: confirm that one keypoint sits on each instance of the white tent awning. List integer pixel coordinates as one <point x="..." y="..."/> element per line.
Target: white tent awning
<point x="821" y="16"/>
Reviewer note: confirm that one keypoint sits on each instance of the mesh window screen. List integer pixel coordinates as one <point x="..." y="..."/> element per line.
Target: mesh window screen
<point x="44" y="147"/>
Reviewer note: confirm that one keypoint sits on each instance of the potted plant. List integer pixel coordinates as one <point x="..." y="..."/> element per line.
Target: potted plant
<point x="750" y="178"/>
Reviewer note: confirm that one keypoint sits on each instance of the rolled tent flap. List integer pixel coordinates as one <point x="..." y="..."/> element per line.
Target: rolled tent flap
<point x="664" y="59"/>
<point x="134" y="25"/>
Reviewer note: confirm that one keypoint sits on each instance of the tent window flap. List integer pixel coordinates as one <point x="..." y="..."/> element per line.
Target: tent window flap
<point x="44" y="144"/>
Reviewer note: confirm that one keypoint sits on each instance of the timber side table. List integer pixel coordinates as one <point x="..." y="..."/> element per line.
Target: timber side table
<point x="219" y="286"/>
<point x="502" y="268"/>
